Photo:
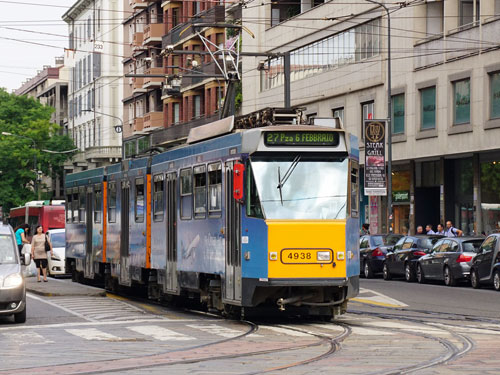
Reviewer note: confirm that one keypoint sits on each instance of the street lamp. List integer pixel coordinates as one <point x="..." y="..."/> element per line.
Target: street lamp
<point x="34" y="156"/>
<point x="118" y="128"/>
<point x="389" y="112"/>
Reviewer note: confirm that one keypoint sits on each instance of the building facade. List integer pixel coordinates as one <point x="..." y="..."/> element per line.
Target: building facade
<point x="95" y="86"/>
<point x="168" y="93"/>
<point x="445" y="95"/>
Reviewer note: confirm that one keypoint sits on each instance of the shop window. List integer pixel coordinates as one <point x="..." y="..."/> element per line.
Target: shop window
<point x="428" y="108"/>
<point x="112" y="202"/>
<point x="200" y="192"/>
<point x="139" y="200"/>
<point x="214" y="189"/>
<point x="97" y="204"/>
<point x="158" y="197"/>
<point x="490" y="196"/>
<point x="186" y="181"/>
<point x="398" y="114"/>
<point x="461" y="105"/>
<point x="81" y="205"/>
<point x="495" y="95"/>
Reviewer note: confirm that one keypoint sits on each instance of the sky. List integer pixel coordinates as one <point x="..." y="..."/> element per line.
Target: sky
<point x="19" y="60"/>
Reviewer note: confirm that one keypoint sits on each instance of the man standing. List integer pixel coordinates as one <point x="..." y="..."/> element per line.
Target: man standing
<point x="420" y="230"/>
<point x="451" y="231"/>
<point x="440" y="229"/>
<point x="428" y="229"/>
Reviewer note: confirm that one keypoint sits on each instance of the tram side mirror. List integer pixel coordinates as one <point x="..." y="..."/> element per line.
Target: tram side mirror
<point x="238" y="170"/>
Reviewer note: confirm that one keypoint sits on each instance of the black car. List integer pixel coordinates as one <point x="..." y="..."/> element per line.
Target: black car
<point x="449" y="260"/>
<point x="485" y="268"/>
<point x="372" y="252"/>
<point x="402" y="259"/>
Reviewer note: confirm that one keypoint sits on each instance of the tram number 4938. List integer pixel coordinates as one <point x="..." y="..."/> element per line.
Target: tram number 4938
<point x="299" y="256"/>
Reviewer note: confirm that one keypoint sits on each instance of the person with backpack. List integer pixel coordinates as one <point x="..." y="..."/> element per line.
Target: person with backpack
<point x="451" y="231"/>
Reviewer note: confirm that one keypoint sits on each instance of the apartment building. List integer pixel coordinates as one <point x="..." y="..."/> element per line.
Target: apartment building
<point x="445" y="95"/>
<point x="171" y="92"/>
<point x="95" y="86"/>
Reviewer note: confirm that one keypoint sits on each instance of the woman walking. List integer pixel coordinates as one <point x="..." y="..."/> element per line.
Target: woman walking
<point x="38" y="252"/>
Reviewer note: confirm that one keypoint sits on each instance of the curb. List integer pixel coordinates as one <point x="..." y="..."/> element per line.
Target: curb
<point x="57" y="294"/>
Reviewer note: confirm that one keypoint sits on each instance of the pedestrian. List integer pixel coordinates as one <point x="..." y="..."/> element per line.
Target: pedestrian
<point x="365" y="229"/>
<point x="440" y="229"/>
<point x="428" y="229"/>
<point x="21" y="233"/>
<point x="451" y="231"/>
<point x="420" y="230"/>
<point x="40" y="244"/>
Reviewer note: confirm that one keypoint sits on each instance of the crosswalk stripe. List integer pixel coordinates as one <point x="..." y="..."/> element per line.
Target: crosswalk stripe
<point x="25" y="338"/>
<point x="160" y="333"/>
<point x="217" y="330"/>
<point x="92" y="334"/>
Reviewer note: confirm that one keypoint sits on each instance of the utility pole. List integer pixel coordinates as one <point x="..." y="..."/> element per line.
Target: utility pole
<point x="286" y="66"/>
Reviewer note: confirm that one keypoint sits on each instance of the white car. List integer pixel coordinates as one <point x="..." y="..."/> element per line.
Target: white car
<point x="57" y="262"/>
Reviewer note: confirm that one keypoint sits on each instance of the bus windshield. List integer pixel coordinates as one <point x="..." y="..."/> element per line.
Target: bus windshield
<point x="305" y="187"/>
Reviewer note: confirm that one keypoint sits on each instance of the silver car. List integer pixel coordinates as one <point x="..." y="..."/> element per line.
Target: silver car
<point x="449" y="260"/>
<point x="12" y="285"/>
<point x="56" y="263"/>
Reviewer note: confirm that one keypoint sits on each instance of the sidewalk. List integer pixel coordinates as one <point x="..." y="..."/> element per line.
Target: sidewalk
<point x="58" y="288"/>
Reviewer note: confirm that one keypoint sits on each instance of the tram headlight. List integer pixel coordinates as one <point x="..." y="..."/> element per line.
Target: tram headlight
<point x="340" y="255"/>
<point x="323" y="256"/>
<point x="273" y="255"/>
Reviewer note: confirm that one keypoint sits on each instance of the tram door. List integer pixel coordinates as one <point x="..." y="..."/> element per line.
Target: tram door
<point x="124" y="233"/>
<point x="232" y="282"/>
<point x="89" y="214"/>
<point x="172" y="284"/>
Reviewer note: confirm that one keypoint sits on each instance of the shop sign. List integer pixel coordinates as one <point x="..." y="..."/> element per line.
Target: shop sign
<point x="375" y="175"/>
<point x="401" y="196"/>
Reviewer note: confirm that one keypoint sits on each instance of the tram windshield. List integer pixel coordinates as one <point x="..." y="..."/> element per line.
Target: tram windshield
<point x="299" y="187"/>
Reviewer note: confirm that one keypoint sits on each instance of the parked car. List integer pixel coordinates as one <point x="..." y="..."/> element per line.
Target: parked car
<point x="485" y="267"/>
<point x="12" y="285"/>
<point x="372" y="252"/>
<point x="449" y="260"/>
<point x="402" y="259"/>
<point x="57" y="262"/>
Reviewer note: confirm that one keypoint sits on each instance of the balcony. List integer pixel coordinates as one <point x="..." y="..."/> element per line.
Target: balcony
<point x="154" y="82"/>
<point x="153" y="33"/>
<point x="138" y="39"/>
<point x="139" y="4"/>
<point x="153" y="120"/>
<point x="177" y="133"/>
<point x="207" y="71"/>
<point x="427" y="53"/>
<point x="138" y="124"/>
<point x="137" y="86"/>
<point x="212" y="15"/>
<point x="94" y="154"/>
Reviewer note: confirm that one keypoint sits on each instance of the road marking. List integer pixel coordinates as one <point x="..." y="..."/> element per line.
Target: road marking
<point x="286" y="331"/>
<point x="60" y="307"/>
<point x="92" y="334"/>
<point x="160" y="333"/>
<point x="378" y="299"/>
<point x="25" y="338"/>
<point x="373" y="301"/>
<point x="217" y="330"/>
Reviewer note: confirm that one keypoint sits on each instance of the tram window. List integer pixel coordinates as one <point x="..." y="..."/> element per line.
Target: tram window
<point x="74" y="205"/>
<point x="354" y="189"/>
<point x="112" y="202"/>
<point x="81" y="206"/>
<point x="186" y="193"/>
<point x="158" y="200"/>
<point x="200" y="192"/>
<point x="68" y="206"/>
<point x="253" y="202"/>
<point x="139" y="200"/>
<point x="214" y="189"/>
<point x="97" y="204"/>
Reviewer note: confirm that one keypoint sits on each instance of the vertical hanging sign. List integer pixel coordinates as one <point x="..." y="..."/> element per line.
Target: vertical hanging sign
<point x="375" y="174"/>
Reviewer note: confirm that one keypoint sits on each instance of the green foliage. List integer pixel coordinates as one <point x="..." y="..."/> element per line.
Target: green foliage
<point x="26" y="117"/>
<point x="238" y="98"/>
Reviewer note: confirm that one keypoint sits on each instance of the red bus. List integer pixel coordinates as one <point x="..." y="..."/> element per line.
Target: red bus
<point x="48" y="214"/>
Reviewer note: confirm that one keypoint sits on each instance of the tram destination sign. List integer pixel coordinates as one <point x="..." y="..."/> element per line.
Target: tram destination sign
<point x="301" y="138"/>
<point x="375" y="174"/>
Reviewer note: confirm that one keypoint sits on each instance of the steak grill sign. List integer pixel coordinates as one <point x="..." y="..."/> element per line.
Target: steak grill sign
<point x="375" y="175"/>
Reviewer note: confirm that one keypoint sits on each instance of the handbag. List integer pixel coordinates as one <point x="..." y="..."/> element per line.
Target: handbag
<point x="47" y="246"/>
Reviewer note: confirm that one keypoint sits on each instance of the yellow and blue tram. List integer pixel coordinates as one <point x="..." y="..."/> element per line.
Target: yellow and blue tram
<point x="260" y="217"/>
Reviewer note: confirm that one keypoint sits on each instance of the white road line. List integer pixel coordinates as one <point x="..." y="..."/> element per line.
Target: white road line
<point x="60" y="307"/>
<point x="286" y="331"/>
<point x="217" y="330"/>
<point x="382" y="298"/>
<point x="25" y="338"/>
<point x="160" y="333"/>
<point x="92" y="334"/>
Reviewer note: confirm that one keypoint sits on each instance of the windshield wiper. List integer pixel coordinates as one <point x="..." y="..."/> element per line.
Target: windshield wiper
<point x="288" y="173"/>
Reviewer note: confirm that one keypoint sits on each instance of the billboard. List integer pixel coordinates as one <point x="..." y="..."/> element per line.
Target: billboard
<point x="375" y="173"/>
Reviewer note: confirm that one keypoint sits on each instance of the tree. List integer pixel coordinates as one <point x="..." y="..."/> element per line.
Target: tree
<point x="23" y="116"/>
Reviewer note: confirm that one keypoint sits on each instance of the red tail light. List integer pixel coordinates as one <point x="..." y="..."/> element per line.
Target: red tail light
<point x="464" y="258"/>
<point x="377" y="252"/>
<point x="419" y="253"/>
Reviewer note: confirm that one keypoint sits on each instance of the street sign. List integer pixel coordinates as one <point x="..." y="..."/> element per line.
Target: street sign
<point x="375" y="174"/>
